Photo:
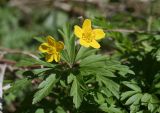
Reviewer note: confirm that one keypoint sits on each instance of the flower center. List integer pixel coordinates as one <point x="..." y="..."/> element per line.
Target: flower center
<point x="52" y="50"/>
<point x="88" y="36"/>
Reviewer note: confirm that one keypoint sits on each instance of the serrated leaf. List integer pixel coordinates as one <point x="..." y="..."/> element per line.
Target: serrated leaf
<point x="104" y="107"/>
<point x="132" y="99"/>
<point x="134" y="108"/>
<point x="45" y="88"/>
<point x="127" y="94"/>
<point x="132" y="86"/>
<point x="76" y="93"/>
<point x="99" y="98"/>
<point x="112" y="86"/>
<point x="146" y="98"/>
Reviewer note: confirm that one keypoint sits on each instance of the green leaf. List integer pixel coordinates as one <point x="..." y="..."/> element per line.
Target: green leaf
<point x="59" y="109"/>
<point x="39" y="71"/>
<point x="134" y="108"/>
<point x="69" y="41"/>
<point x="132" y="86"/>
<point x="146" y="97"/>
<point x="134" y="99"/>
<point x="127" y="94"/>
<point x="154" y="99"/>
<point x="157" y="85"/>
<point x="151" y="107"/>
<point x="19" y="85"/>
<point x="39" y="111"/>
<point x="123" y="70"/>
<point x="70" y="78"/>
<point x="99" y="98"/>
<point x="76" y="93"/>
<point x="112" y="86"/>
<point x="32" y="61"/>
<point x="106" y="92"/>
<point x="65" y="56"/>
<point x="157" y="54"/>
<point x="96" y="70"/>
<point x="84" y="52"/>
<point x="92" y="59"/>
<point x="112" y="109"/>
<point x="45" y="88"/>
<point x="40" y="39"/>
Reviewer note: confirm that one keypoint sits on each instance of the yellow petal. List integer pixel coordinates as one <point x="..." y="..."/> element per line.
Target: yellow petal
<point x="43" y="47"/>
<point x="51" y="41"/>
<point x="95" y="44"/>
<point x="86" y="25"/>
<point x="49" y="57"/>
<point x="57" y="57"/>
<point x="78" y="31"/>
<point x="84" y="43"/>
<point x="59" y="46"/>
<point x="99" y="34"/>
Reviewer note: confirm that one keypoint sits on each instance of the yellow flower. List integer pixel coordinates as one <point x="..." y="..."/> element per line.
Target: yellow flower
<point x="87" y="35"/>
<point x="52" y="48"/>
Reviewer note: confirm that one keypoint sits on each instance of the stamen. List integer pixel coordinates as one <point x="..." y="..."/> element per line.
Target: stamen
<point x="88" y="37"/>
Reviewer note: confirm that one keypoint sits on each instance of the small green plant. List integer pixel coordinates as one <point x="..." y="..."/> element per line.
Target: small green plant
<point x="73" y="76"/>
<point x="76" y="79"/>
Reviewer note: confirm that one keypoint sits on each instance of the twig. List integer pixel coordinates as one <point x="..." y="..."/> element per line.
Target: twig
<point x="2" y="72"/>
<point x="132" y="31"/>
<point x="150" y="18"/>
<point x="12" y="51"/>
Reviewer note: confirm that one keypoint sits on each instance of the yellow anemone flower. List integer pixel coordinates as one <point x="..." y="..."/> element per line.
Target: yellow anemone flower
<point x="87" y="35"/>
<point x="52" y="48"/>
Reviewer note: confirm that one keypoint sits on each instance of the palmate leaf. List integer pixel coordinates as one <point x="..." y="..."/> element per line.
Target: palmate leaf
<point x="103" y="68"/>
<point x="76" y="93"/>
<point x="45" y="88"/>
